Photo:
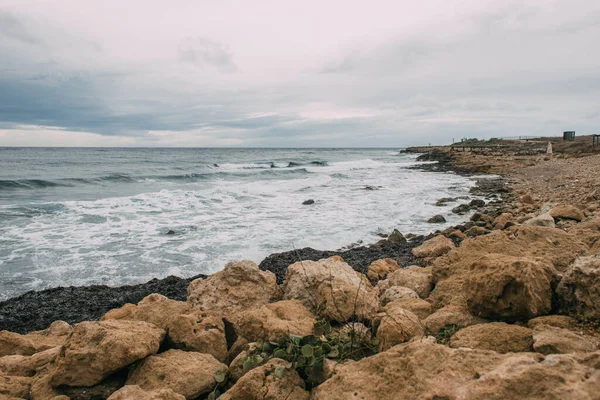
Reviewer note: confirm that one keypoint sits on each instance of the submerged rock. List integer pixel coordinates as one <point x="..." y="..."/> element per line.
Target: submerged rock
<point x="308" y="202"/>
<point x="437" y="219"/>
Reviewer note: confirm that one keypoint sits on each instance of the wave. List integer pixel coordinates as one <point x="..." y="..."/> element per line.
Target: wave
<point x="7" y="184"/>
<point x="293" y="164"/>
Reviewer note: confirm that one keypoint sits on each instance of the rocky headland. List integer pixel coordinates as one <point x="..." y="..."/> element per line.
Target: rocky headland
<point x="506" y="306"/>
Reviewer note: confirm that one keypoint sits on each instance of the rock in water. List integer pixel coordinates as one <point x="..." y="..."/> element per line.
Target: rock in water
<point x="308" y="202"/>
<point x="437" y="219"/>
<point x="396" y="237"/>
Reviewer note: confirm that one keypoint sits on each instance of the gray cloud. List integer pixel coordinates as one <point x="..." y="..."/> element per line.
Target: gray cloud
<point x="12" y="28"/>
<point x="201" y="52"/>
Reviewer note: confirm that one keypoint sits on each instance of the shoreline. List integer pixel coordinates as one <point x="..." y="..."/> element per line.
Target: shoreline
<point x="37" y="309"/>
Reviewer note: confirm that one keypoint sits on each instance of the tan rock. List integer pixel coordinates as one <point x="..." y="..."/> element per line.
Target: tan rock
<point x="503" y="221"/>
<point x="566" y="211"/>
<point x="450" y="315"/>
<point x="187" y="373"/>
<point x="276" y="320"/>
<point x="541" y="220"/>
<point x="15" y="386"/>
<point x="559" y="321"/>
<point x="579" y="290"/>
<point x="416" y="278"/>
<point x="416" y="370"/>
<point x="476" y="231"/>
<point x="201" y="331"/>
<point x="14" y="344"/>
<point x="332" y="287"/>
<point x="27" y="365"/>
<point x="457" y="234"/>
<point x="55" y="335"/>
<point x="512" y="288"/>
<point x="96" y="349"/>
<point x="496" y="336"/>
<point x="134" y="392"/>
<point x="588" y="232"/>
<point x="42" y="390"/>
<point x="381" y="268"/>
<point x="396" y="293"/>
<point x="526" y="199"/>
<point x="398" y="326"/>
<point x="240" y="286"/>
<point x="434" y="247"/>
<point x="262" y="383"/>
<point x="552" y="340"/>
<point x="419" y="307"/>
<point x="155" y="309"/>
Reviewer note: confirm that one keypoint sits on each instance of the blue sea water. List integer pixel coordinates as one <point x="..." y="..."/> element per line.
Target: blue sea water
<point x="80" y="216"/>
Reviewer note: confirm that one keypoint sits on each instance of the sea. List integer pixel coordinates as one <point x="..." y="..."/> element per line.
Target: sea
<point x="114" y="216"/>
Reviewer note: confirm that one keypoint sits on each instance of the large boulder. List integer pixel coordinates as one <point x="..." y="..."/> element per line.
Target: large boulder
<point x="275" y="320"/>
<point x="566" y="211"/>
<point x="496" y="336"/>
<point x="331" y="287"/>
<point x="239" y="287"/>
<point x="416" y="278"/>
<point x="190" y="374"/>
<point x="264" y="383"/>
<point x="434" y="247"/>
<point x="450" y="315"/>
<point x="553" y="340"/>
<point x="579" y="290"/>
<point x="396" y="293"/>
<point x="380" y="269"/>
<point x="510" y="288"/>
<point x="589" y="233"/>
<point x="398" y="325"/>
<point x="421" y="308"/>
<point x="97" y="349"/>
<point x="201" y="331"/>
<point x="155" y="309"/>
<point x="417" y="370"/>
<point x="25" y="345"/>
<point x="134" y="392"/>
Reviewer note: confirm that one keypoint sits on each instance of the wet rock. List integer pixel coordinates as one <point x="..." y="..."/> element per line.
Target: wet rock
<point x="435" y="247"/>
<point x="579" y="290"/>
<point x="567" y="211"/>
<point x="398" y="325"/>
<point x="437" y="219"/>
<point x="396" y="237"/>
<point x="190" y="374"/>
<point x="201" y="331"/>
<point x="240" y="286"/>
<point x="263" y="383"/>
<point x="155" y="309"/>
<point x="443" y="201"/>
<point x="97" y="349"/>
<point x="276" y="320"/>
<point x="308" y="202"/>
<point x="461" y="209"/>
<point x="511" y="288"/>
<point x="171" y="232"/>
<point x="381" y="268"/>
<point x="331" y="286"/>
<point x="477" y="203"/>
<point x="134" y="392"/>
<point x="496" y="336"/>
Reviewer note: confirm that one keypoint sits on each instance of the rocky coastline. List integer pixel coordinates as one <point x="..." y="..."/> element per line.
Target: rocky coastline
<point x="505" y="306"/>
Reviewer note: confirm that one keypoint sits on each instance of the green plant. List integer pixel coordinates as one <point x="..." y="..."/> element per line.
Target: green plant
<point x="446" y="333"/>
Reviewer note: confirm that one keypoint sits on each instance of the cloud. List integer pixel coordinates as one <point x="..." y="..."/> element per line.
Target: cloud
<point x="12" y="28"/>
<point x="202" y="52"/>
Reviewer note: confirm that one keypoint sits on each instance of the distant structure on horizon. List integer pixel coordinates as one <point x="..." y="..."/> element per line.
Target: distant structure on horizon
<point x="569" y="135"/>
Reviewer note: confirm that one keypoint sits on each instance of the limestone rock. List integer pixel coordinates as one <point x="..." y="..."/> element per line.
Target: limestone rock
<point x="566" y="211"/>
<point x="187" y="373"/>
<point x="450" y="315"/>
<point x="417" y="370"/>
<point x="14" y="344"/>
<point x="496" y="336"/>
<point x="434" y="247"/>
<point x="504" y="287"/>
<point x="155" y="309"/>
<point x="398" y="326"/>
<point x="419" y="307"/>
<point x="201" y="331"/>
<point x="27" y="365"/>
<point x="579" y="289"/>
<point x="552" y="340"/>
<point x="396" y="293"/>
<point x="134" y="392"/>
<point x="416" y="278"/>
<point x="380" y="269"/>
<point x="96" y="349"/>
<point x="559" y="321"/>
<point x="476" y="231"/>
<point x="333" y="287"/>
<point x="541" y="220"/>
<point x="262" y="383"/>
<point x="503" y="221"/>
<point x="240" y="286"/>
<point x="526" y="199"/>
<point x="588" y="232"/>
<point x="15" y="386"/>
<point x="275" y="320"/>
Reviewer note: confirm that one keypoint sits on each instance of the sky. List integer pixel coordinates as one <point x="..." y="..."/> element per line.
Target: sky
<point x="308" y="73"/>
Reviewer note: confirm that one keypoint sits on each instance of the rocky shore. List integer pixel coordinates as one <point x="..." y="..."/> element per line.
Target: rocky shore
<point x="506" y="306"/>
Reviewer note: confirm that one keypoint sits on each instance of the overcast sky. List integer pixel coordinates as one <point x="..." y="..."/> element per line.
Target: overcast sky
<point x="295" y="73"/>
